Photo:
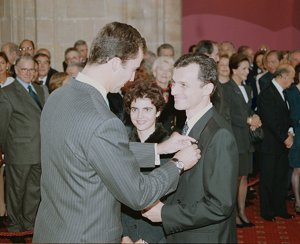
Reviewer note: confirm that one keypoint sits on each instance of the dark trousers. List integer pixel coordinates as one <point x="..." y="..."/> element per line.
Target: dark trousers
<point x="273" y="178"/>
<point x="22" y="195"/>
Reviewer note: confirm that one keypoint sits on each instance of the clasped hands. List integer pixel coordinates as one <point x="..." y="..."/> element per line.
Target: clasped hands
<point x="254" y="122"/>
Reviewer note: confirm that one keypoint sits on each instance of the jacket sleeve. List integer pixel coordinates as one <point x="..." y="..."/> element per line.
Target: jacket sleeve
<point x="6" y="111"/>
<point x="116" y="165"/>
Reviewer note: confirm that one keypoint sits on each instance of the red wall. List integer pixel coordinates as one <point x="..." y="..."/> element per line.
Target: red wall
<point x="275" y="23"/>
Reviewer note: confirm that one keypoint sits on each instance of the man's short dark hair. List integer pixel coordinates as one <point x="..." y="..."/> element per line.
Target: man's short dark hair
<point x="79" y="43"/>
<point x="116" y="40"/>
<point x="165" y="46"/>
<point x="207" y="66"/>
<point x="70" y="49"/>
<point x="278" y="54"/>
<point x="205" y="47"/>
<point x="35" y="57"/>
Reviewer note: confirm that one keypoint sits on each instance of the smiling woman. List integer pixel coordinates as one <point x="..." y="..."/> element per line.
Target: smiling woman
<point x="143" y="102"/>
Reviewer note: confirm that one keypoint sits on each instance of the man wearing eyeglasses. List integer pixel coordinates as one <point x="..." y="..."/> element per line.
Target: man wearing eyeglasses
<point x="21" y="103"/>
<point x="27" y="47"/>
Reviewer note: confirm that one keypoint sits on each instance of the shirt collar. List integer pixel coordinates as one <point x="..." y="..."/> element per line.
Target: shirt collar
<point x="278" y="87"/>
<point x="193" y="120"/>
<point x="43" y="80"/>
<point x="24" y="84"/>
<point x="97" y="85"/>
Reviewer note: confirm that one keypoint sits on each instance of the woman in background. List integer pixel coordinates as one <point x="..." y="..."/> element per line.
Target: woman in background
<point x="144" y="102"/>
<point x="237" y="97"/>
<point x="223" y="69"/>
<point x="5" y="78"/>
<point x="171" y="118"/>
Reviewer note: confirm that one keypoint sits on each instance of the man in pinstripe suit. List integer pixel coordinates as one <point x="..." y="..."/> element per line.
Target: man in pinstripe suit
<point x="88" y="166"/>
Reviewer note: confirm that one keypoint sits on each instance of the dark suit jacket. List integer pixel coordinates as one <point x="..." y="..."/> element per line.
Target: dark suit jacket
<point x="275" y="118"/>
<point x="265" y="80"/>
<point x="49" y="75"/>
<point x="251" y="81"/>
<point x="89" y="168"/>
<point x="202" y="208"/>
<point x="20" y="124"/>
<point x="237" y="112"/>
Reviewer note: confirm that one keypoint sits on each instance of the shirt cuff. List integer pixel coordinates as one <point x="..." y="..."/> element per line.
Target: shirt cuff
<point x="291" y="130"/>
<point x="157" y="158"/>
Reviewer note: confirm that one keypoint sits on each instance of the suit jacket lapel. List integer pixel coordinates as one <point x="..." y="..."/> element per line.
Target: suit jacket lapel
<point x="238" y="91"/>
<point x="22" y="92"/>
<point x="196" y="134"/>
<point x="199" y="126"/>
<point x="279" y="98"/>
<point x="40" y="93"/>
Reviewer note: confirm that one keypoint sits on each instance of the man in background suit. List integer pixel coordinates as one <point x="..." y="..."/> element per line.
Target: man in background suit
<point x="273" y="59"/>
<point x="202" y="208"/>
<point x="88" y="165"/>
<point x="274" y="113"/>
<point x="45" y="71"/>
<point x="20" y="142"/>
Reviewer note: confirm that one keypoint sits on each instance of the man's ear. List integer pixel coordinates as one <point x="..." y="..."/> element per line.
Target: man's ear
<point x="157" y="114"/>
<point x="116" y="63"/>
<point x="154" y="72"/>
<point x="209" y="88"/>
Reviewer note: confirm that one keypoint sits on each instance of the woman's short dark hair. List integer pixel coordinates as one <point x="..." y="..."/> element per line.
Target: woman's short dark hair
<point x="235" y="60"/>
<point x="144" y="89"/>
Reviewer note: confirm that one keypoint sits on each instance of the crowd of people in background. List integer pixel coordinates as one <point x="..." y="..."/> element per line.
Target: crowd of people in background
<point x="255" y="89"/>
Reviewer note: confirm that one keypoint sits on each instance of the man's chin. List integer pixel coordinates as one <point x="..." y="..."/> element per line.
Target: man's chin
<point x="116" y="90"/>
<point x="178" y="107"/>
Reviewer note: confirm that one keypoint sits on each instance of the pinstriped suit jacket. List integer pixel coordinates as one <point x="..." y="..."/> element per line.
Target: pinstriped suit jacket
<point x="89" y="167"/>
<point x="20" y="124"/>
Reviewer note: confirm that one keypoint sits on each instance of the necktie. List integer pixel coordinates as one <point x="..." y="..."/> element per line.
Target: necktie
<point x="285" y="100"/>
<point x="34" y="96"/>
<point x="185" y="128"/>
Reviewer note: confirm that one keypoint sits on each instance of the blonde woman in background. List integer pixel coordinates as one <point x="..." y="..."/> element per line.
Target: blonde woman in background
<point x="57" y="80"/>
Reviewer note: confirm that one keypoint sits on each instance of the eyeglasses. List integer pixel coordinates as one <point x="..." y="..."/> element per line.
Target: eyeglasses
<point x="26" y="48"/>
<point x="24" y="70"/>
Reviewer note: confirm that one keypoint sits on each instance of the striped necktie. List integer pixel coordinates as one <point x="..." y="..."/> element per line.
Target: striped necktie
<point x="185" y="128"/>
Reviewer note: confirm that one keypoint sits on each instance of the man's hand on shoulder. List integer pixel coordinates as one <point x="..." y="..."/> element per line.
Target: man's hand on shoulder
<point x="175" y="143"/>
<point x="189" y="156"/>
